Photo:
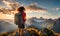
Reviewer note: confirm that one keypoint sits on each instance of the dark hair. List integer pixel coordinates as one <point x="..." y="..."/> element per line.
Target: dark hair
<point x="21" y="9"/>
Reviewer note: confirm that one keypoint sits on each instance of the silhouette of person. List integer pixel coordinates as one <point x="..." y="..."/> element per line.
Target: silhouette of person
<point x="20" y="19"/>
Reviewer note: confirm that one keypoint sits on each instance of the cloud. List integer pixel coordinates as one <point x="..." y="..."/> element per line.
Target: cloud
<point x="1" y="1"/>
<point x="10" y="8"/>
<point x="11" y="5"/>
<point x="34" y="7"/>
<point x="56" y="9"/>
<point x="3" y="10"/>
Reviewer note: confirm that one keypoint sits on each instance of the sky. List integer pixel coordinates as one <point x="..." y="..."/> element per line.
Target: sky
<point x="34" y="8"/>
<point x="52" y="6"/>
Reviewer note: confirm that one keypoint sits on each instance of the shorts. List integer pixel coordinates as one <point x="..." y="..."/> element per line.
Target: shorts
<point x="21" y="26"/>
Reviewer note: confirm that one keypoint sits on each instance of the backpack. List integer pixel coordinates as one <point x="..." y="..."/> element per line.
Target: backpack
<point x="18" y="18"/>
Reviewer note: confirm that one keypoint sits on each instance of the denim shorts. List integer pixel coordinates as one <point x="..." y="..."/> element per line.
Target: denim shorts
<point x="21" y="26"/>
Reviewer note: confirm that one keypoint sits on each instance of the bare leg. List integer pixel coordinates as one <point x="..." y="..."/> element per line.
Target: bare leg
<point x="20" y="32"/>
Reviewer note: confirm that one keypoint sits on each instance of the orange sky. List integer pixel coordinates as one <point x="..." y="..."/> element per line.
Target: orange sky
<point x="6" y="16"/>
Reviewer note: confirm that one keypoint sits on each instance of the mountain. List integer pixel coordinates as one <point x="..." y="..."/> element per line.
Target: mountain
<point x="40" y="22"/>
<point x="57" y="26"/>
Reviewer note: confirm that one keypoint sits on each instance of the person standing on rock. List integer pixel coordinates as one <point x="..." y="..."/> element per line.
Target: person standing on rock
<point x="20" y="19"/>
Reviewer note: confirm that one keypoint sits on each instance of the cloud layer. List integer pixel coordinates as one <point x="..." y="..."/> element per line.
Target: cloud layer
<point x="56" y="9"/>
<point x="12" y="5"/>
<point x="35" y="8"/>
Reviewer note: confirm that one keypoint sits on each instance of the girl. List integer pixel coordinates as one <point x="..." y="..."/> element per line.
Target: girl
<point x="20" y="19"/>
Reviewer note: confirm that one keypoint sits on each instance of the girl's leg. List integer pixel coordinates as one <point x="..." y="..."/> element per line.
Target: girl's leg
<point x="21" y="32"/>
